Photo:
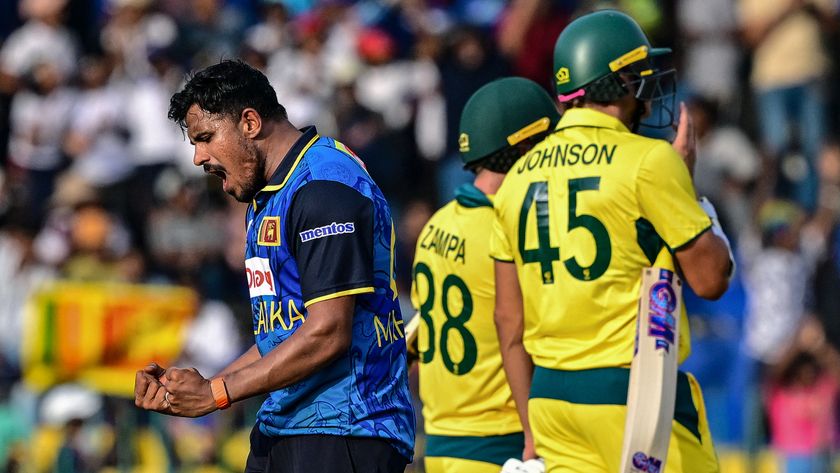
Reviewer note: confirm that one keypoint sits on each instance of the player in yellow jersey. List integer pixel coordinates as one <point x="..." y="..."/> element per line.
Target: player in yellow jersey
<point x="471" y="422"/>
<point x="578" y="217"/>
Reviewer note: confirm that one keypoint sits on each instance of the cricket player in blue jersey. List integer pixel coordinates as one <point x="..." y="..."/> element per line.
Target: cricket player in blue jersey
<point x="330" y="349"/>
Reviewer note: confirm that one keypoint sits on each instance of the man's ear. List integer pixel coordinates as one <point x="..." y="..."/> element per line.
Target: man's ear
<point x="250" y="122"/>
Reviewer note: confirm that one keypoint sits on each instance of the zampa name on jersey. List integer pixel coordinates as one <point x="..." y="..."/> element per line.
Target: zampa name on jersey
<point x="260" y="278"/>
<point x="327" y="230"/>
<point x="443" y="243"/>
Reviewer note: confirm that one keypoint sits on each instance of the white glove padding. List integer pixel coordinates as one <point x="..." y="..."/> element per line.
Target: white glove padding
<point x="718" y="230"/>
<point x="534" y="466"/>
<point x="513" y="465"/>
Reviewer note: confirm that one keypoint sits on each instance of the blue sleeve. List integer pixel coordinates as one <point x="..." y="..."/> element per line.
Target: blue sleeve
<point x="330" y="234"/>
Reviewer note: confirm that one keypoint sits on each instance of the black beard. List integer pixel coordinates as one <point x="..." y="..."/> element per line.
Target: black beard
<point x="256" y="180"/>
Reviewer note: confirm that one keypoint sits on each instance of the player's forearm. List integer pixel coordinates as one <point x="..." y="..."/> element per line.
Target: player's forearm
<point x="326" y="335"/>
<point x="519" y="370"/>
<point x="706" y="265"/>
<point x="250" y="356"/>
<point x="510" y="327"/>
<point x="292" y="361"/>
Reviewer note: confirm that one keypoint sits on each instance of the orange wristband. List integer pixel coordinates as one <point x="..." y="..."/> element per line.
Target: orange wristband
<point x="217" y="385"/>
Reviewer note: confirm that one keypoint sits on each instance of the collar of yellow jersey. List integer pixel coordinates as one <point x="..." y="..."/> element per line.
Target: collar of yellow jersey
<point x="576" y="117"/>
<point x="471" y="197"/>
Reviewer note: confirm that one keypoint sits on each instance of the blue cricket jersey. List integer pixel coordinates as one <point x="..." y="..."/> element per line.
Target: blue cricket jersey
<point x="322" y="229"/>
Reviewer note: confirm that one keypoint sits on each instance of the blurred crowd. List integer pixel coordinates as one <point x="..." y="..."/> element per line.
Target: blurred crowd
<point x="97" y="185"/>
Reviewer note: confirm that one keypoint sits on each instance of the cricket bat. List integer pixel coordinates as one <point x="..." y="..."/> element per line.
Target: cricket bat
<point x="653" y="373"/>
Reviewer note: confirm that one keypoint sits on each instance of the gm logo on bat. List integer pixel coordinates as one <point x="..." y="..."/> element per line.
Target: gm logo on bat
<point x="643" y="462"/>
<point x="661" y="319"/>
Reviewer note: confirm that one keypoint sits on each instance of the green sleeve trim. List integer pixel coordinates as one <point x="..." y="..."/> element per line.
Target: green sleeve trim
<point x="691" y="240"/>
<point x="502" y="260"/>
<point x="649" y="241"/>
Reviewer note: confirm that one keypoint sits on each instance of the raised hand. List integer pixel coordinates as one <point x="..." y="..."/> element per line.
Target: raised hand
<point x="685" y="143"/>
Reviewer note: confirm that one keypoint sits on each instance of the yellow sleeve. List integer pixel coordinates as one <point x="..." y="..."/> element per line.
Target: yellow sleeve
<point x="500" y="247"/>
<point x="667" y="198"/>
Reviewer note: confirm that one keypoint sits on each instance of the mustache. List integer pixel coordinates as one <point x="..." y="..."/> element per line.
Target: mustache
<point x="209" y="168"/>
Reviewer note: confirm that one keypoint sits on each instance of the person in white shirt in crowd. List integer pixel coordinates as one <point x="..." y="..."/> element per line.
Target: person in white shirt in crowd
<point x="35" y="143"/>
<point x="711" y="52"/>
<point x="777" y="258"/>
<point x="155" y="143"/>
<point x="273" y="31"/>
<point x="98" y="138"/>
<point x="300" y="75"/>
<point x="22" y="273"/>
<point x="132" y="31"/>
<point x="43" y="38"/>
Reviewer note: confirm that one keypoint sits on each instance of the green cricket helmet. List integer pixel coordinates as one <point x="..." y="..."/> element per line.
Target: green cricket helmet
<point x="500" y="118"/>
<point x="603" y="56"/>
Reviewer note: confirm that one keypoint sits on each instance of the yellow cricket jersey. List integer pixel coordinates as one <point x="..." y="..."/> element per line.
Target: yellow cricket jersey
<point x="462" y="383"/>
<point x="581" y="214"/>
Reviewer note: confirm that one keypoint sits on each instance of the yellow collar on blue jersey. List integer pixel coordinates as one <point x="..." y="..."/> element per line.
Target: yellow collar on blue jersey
<point x="588" y="117"/>
<point x="309" y="135"/>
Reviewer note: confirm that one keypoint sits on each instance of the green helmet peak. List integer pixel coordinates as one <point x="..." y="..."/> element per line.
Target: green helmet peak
<point x="598" y="44"/>
<point x="594" y="49"/>
<point x="500" y="115"/>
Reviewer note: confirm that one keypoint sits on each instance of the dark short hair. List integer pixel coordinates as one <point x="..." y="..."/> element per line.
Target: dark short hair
<point x="227" y="88"/>
<point x="501" y="161"/>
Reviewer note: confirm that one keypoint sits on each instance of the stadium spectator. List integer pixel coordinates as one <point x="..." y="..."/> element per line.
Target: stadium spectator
<point x="273" y="31"/>
<point x="42" y="39"/>
<point x="97" y="140"/>
<point x="777" y="263"/>
<point x="728" y="164"/>
<point x="468" y="62"/>
<point x="22" y="274"/>
<point x="711" y="56"/>
<point x="207" y="31"/>
<point x="183" y="233"/>
<point x="155" y="143"/>
<point x="789" y="67"/>
<point x="827" y="277"/>
<point x="301" y="76"/>
<point x="526" y="35"/>
<point x="132" y="33"/>
<point x="36" y="145"/>
<point x="802" y="399"/>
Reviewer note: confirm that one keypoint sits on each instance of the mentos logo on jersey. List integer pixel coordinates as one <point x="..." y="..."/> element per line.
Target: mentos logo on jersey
<point x="260" y="279"/>
<point x="661" y="318"/>
<point x="642" y="462"/>
<point x="327" y="230"/>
